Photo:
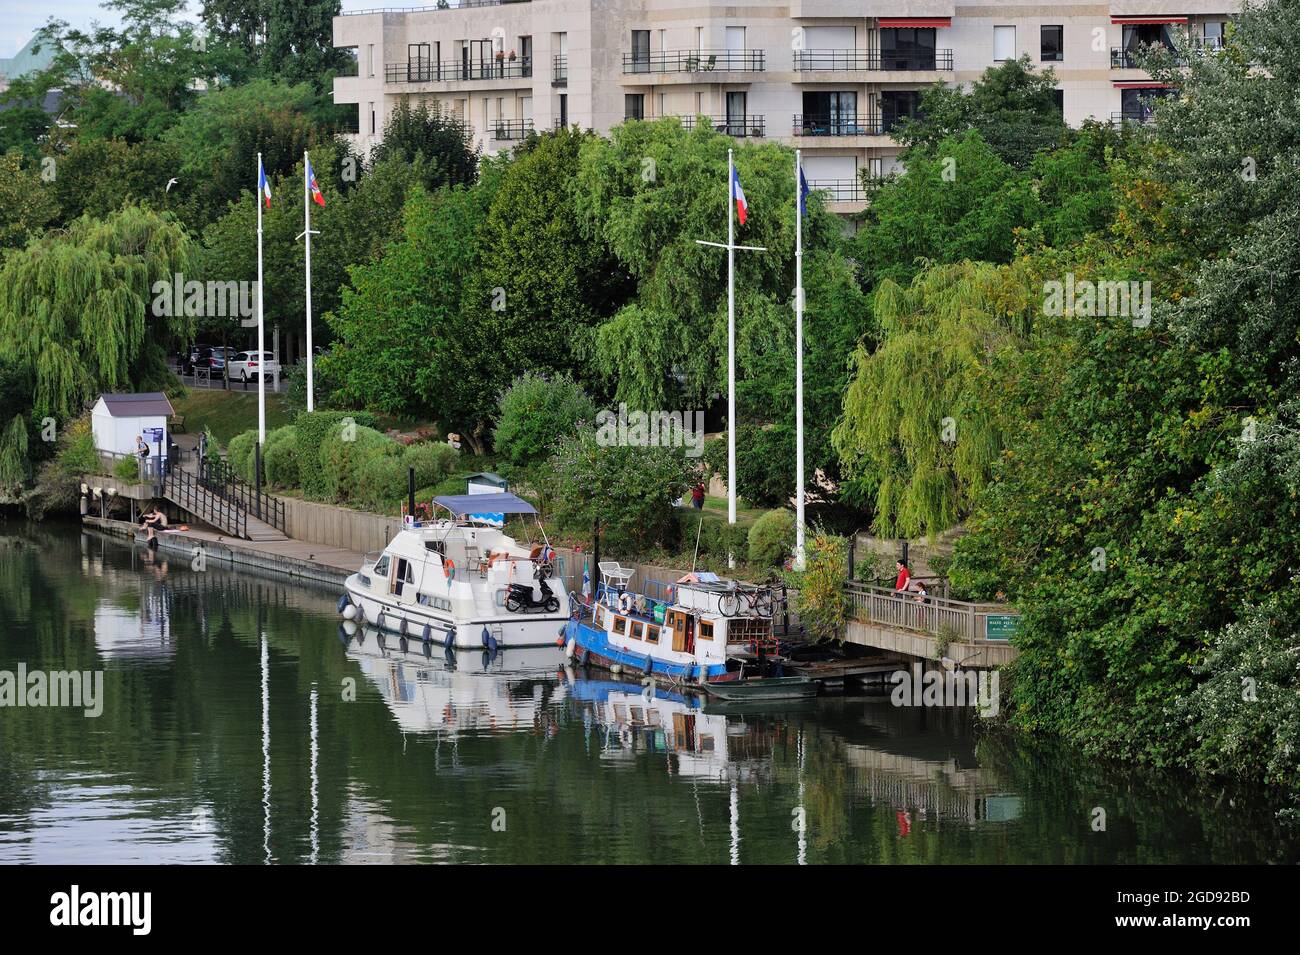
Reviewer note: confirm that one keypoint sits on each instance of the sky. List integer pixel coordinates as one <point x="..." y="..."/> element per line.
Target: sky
<point x="19" y="19"/>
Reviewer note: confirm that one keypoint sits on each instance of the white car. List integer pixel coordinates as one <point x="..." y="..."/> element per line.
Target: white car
<point x="245" y="366"/>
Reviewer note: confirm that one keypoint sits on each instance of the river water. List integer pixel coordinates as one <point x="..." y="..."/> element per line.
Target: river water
<point x="240" y="723"/>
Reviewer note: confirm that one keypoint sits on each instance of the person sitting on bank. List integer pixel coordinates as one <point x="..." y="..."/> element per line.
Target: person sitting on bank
<point x="153" y="521"/>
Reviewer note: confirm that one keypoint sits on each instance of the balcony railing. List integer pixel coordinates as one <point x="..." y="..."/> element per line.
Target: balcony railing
<point x="840" y="190"/>
<point x="748" y="126"/>
<point x="447" y="5"/>
<point x="511" y="129"/>
<point x="815" y="61"/>
<point x="695" y="61"/>
<point x="424" y="71"/>
<point x="1143" y="115"/>
<point x="350" y="125"/>
<point x="1122" y="59"/>
<point x="839" y="124"/>
<point x="559" y="70"/>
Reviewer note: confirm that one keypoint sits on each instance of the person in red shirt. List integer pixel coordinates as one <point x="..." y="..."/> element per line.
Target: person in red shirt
<point x="904" y="578"/>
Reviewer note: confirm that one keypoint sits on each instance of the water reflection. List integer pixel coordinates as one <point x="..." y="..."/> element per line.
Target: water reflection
<point x="242" y="723"/>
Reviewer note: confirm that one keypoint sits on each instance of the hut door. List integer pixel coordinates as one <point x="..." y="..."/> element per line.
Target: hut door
<point x="678" y="622"/>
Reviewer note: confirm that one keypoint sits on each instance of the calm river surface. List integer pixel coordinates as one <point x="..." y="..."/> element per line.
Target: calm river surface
<point x="240" y="724"/>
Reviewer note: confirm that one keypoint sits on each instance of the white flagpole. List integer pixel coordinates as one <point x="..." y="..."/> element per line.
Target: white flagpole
<point x="798" y="366"/>
<point x="261" y="337"/>
<point x="306" y="212"/>
<point x="731" y="350"/>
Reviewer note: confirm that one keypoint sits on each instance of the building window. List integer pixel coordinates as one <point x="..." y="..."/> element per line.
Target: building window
<point x="896" y="105"/>
<point x="372" y="118"/>
<point x="1004" y="44"/>
<point x="640" y="51"/>
<point x="634" y="106"/>
<point x="1052" y="41"/>
<point x="1214" y="34"/>
<point x="1058" y="96"/>
<point x="907" y="48"/>
<point x="564" y="110"/>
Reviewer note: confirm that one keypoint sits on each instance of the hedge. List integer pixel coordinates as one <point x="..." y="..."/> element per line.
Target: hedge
<point x="312" y="428"/>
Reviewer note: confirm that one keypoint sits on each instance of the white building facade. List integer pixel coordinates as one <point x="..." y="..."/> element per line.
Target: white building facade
<point x="829" y="76"/>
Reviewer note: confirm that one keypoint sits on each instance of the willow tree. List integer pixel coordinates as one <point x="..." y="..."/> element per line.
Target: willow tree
<point x="917" y="434"/>
<point x="75" y="310"/>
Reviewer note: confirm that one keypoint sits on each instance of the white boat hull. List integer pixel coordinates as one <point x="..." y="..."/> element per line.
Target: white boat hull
<point x="532" y="629"/>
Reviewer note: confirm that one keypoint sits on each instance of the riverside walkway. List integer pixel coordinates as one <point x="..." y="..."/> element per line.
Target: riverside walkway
<point x="968" y="633"/>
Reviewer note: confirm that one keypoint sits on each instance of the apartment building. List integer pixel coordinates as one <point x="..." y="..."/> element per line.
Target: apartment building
<point x="829" y="76"/>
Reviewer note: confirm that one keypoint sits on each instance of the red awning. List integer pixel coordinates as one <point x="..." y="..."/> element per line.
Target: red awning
<point x="1147" y="19"/>
<point x="887" y="23"/>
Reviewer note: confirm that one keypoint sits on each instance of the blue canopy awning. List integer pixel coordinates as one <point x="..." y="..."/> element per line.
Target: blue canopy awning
<point x="462" y="504"/>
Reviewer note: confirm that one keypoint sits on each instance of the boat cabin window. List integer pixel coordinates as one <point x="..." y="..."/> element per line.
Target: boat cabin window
<point x="599" y="616"/>
<point x="706" y="629"/>
<point x="651" y="634"/>
<point x="381" y="566"/>
<point x="638" y="630"/>
<point x="620" y="624"/>
<point x="441" y="603"/>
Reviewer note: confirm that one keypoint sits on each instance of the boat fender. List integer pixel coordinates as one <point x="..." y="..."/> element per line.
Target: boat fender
<point x="343" y="603"/>
<point x="570" y="648"/>
<point x="449" y="568"/>
<point x="343" y="636"/>
<point x="402" y="629"/>
<point x="450" y="638"/>
<point x="427" y="635"/>
<point x="486" y="636"/>
<point x="616" y="669"/>
<point x="379" y="621"/>
<point x="350" y="612"/>
<point x="649" y="664"/>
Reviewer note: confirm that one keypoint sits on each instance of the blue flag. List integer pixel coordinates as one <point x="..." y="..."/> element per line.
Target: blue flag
<point x="803" y="193"/>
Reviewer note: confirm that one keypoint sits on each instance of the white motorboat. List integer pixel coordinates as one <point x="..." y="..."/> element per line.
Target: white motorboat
<point x="462" y="581"/>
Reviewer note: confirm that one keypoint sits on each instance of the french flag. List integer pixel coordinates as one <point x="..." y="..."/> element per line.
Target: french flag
<point x="317" y="196"/>
<point x="737" y="193"/>
<point x="263" y="186"/>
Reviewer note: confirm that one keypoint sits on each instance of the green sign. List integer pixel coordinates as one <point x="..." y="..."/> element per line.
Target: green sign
<point x="1001" y="626"/>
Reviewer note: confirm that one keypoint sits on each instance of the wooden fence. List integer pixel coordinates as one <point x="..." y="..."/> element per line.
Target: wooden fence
<point x="936" y="616"/>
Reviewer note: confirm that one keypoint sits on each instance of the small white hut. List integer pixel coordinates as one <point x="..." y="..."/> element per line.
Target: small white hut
<point x="117" y="420"/>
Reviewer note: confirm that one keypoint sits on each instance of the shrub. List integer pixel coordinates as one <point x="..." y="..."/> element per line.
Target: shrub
<point x="79" y="455"/>
<point x="821" y="601"/>
<point x="281" y="457"/>
<point x="771" y="539"/>
<point x="382" y="481"/>
<point x="536" y="412"/>
<point x="343" y="462"/>
<point x="312" y="428"/>
<point x="432" y="461"/>
<point x="127" y="469"/>
<point x="240" y="454"/>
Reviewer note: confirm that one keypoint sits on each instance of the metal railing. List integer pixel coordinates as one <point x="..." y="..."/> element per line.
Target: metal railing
<point x="509" y="129"/>
<point x="695" y="61"/>
<point x="841" y="190"/>
<point x="1144" y="115"/>
<point x="559" y="70"/>
<point x="186" y="490"/>
<point x="935" y="616"/>
<point x="445" y="5"/>
<point x="1122" y="59"/>
<point x="217" y="476"/>
<point x="821" y="61"/>
<point x="751" y="126"/>
<point x="427" y="71"/>
<point x="838" y="125"/>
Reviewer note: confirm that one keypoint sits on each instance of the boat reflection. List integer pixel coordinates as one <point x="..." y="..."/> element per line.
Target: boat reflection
<point x="432" y="689"/>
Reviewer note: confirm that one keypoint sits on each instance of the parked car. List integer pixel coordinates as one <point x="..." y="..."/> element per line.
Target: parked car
<point x="246" y="365"/>
<point x="214" y="359"/>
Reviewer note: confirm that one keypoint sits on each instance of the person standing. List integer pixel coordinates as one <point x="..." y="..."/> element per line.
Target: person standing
<point x="904" y="578"/>
<point x="697" y="496"/>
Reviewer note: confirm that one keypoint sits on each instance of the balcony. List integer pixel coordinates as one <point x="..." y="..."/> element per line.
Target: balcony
<point x="839" y="190"/>
<point x="447" y="5"/>
<point x="559" y="70"/>
<point x="748" y="126"/>
<point x="508" y="130"/>
<point x="1122" y="59"/>
<point x="423" y="71"/>
<point x="849" y="61"/>
<point x="840" y="124"/>
<point x="1141" y="115"/>
<point x="694" y="61"/>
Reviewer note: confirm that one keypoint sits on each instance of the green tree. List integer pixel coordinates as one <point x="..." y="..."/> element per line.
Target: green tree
<point x="441" y="139"/>
<point x="1012" y="107"/>
<point x="535" y="412"/>
<point x="26" y="204"/>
